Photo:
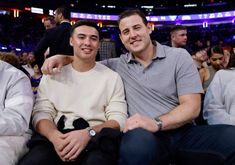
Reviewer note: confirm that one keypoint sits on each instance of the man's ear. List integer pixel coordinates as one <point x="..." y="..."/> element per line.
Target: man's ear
<point x="149" y="28"/>
<point x="61" y="16"/>
<point x="71" y="41"/>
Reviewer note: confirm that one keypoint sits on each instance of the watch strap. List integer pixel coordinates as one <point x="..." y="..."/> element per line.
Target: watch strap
<point x="159" y="123"/>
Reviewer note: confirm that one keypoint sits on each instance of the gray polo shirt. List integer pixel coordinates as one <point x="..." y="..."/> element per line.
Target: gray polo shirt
<point x="154" y="90"/>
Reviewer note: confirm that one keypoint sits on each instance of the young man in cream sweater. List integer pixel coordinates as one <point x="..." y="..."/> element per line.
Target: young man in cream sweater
<point x="73" y="107"/>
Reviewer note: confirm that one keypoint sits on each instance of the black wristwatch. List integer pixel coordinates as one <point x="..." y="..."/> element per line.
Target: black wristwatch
<point x="91" y="132"/>
<point x="159" y="123"/>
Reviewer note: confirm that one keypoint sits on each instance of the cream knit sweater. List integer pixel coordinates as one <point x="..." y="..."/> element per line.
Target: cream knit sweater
<point x="96" y="95"/>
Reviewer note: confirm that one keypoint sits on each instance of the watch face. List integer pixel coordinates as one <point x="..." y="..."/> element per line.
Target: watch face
<point x="92" y="132"/>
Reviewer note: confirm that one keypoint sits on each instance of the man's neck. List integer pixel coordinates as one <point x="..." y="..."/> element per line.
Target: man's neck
<point x="83" y="66"/>
<point x="174" y="45"/>
<point x="146" y="56"/>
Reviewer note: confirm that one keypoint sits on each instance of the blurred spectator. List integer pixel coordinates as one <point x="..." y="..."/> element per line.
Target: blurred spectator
<point x="178" y="35"/>
<point x="49" y="22"/>
<point x="16" y="102"/>
<point x="10" y="58"/>
<point x="233" y="50"/>
<point x="227" y="55"/>
<point x="30" y="58"/>
<point x="200" y="57"/>
<point x="198" y="44"/>
<point x="216" y="57"/>
<point x="35" y="78"/>
<point x="23" y="56"/>
<point x="107" y="47"/>
<point x="57" y="39"/>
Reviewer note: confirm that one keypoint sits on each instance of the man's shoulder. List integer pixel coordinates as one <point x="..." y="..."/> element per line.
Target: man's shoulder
<point x="107" y="74"/>
<point x="175" y="53"/>
<point x="113" y="63"/>
<point x="10" y="70"/>
<point x="168" y="50"/>
<point x="105" y="69"/>
<point x="226" y="74"/>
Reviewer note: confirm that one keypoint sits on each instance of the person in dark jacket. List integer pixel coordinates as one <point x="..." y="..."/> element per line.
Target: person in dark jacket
<point x="56" y="39"/>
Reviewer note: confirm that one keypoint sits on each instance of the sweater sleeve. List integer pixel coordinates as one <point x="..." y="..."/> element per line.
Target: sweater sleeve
<point x="117" y="108"/>
<point x="43" y="108"/>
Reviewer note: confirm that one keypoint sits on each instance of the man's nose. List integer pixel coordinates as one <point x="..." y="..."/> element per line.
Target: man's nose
<point x="132" y="33"/>
<point x="87" y="41"/>
<point x="218" y="61"/>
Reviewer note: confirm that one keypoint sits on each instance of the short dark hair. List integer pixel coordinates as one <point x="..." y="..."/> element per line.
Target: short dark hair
<point x="196" y="49"/>
<point x="215" y="49"/>
<point x="64" y="11"/>
<point x="130" y="12"/>
<point x="177" y="28"/>
<point x="86" y="23"/>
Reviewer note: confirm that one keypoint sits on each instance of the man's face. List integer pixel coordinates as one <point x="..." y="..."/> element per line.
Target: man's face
<point x="48" y="24"/>
<point x="227" y="53"/>
<point x="179" y="38"/>
<point x="135" y="35"/>
<point x="31" y="58"/>
<point x="85" y="42"/>
<point x="57" y="16"/>
<point x="201" y="55"/>
<point x="24" y="56"/>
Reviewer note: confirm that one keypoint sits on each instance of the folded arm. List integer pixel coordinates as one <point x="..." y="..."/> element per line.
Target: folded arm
<point x="215" y="110"/>
<point x="16" y="111"/>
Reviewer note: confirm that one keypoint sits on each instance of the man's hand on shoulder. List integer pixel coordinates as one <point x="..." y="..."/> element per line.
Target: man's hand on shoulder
<point x="54" y="64"/>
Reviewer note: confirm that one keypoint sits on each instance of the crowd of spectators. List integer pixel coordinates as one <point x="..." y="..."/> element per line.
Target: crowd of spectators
<point x="21" y="33"/>
<point x="24" y="33"/>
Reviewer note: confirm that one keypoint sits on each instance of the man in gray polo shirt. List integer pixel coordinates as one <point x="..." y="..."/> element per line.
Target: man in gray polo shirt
<point x="163" y="90"/>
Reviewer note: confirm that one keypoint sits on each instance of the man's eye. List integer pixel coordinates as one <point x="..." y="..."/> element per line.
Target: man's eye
<point x="125" y="32"/>
<point x="81" y="37"/>
<point x="137" y="27"/>
<point x="94" y="39"/>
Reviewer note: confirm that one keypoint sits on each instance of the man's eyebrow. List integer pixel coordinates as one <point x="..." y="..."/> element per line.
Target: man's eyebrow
<point x="82" y="34"/>
<point x="94" y="36"/>
<point x="124" y="29"/>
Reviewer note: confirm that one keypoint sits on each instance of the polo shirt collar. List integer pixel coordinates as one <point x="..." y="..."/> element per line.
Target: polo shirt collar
<point x="130" y="58"/>
<point x="160" y="53"/>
